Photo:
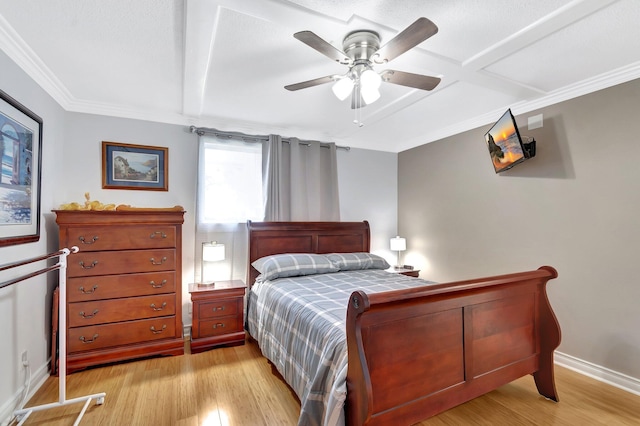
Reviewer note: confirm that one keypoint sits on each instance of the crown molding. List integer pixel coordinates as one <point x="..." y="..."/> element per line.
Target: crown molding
<point x="584" y="87"/>
<point x="20" y="52"/>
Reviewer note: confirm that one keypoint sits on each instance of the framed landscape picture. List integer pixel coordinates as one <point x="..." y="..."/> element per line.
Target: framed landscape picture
<point x="20" y="169"/>
<point x="126" y="166"/>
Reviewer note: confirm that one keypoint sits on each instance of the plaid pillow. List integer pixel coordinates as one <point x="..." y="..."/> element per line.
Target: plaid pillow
<point x="292" y="265"/>
<point x="357" y="261"/>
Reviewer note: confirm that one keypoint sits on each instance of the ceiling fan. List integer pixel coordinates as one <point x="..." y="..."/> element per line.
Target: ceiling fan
<point x="361" y="50"/>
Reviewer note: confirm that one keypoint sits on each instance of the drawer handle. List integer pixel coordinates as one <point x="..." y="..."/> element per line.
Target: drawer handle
<point x="218" y="325"/>
<point x="154" y="285"/>
<point x="93" y="264"/>
<point x="162" y="234"/>
<point x="83" y="291"/>
<point x="153" y="306"/>
<point x="154" y="331"/>
<point x="93" y="339"/>
<point x="83" y="315"/>
<point x="93" y="240"/>
<point x="218" y="308"/>
<point x="153" y="260"/>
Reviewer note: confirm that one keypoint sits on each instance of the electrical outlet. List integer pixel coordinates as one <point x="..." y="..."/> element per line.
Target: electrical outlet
<point x="25" y="358"/>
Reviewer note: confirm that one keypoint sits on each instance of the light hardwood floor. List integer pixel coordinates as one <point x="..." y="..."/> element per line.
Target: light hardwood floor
<point x="236" y="386"/>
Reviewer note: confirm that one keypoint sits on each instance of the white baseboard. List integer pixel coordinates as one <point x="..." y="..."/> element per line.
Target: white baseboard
<point x="613" y="378"/>
<point x="37" y="380"/>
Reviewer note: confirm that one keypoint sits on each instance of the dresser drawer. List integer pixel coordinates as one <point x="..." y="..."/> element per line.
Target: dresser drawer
<point x="220" y="326"/>
<point x="107" y="335"/>
<point x="114" y="310"/>
<point x="219" y="308"/>
<point x="119" y="262"/>
<point x="82" y="289"/>
<point x="97" y="238"/>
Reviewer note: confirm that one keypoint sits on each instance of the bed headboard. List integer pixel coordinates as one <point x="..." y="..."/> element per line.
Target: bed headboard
<point x="267" y="238"/>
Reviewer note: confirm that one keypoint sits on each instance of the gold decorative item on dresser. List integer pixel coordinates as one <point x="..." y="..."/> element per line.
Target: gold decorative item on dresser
<point x="124" y="286"/>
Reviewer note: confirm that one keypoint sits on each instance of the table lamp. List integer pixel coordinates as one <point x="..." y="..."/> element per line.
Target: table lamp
<point x="211" y="252"/>
<point x="398" y="244"/>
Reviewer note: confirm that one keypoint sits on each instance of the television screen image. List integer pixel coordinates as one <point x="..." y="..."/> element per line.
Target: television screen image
<point x="504" y="143"/>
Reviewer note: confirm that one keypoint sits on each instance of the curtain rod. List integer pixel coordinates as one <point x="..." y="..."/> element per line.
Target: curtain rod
<point x="200" y="131"/>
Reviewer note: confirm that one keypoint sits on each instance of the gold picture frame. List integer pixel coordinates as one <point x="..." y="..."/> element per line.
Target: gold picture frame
<point x="129" y="166"/>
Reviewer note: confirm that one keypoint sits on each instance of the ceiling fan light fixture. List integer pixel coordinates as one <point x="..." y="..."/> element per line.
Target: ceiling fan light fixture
<point x="342" y="88"/>
<point x="370" y="79"/>
<point x="370" y="94"/>
<point x="369" y="84"/>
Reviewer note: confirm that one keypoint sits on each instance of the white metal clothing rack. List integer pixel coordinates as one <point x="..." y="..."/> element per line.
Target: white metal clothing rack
<point x="23" y="414"/>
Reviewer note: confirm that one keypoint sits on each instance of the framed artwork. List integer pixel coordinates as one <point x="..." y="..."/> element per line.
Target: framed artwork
<point x="20" y="170"/>
<point x="126" y="166"/>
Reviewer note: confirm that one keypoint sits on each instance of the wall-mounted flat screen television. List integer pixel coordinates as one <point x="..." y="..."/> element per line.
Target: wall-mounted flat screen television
<point x="504" y="143"/>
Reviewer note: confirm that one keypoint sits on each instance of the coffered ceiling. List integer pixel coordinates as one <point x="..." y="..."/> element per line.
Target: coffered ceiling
<point x="224" y="63"/>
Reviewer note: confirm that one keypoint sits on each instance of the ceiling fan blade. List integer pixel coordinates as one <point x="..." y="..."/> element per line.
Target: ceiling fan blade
<point x="412" y="36"/>
<point x="322" y="46"/>
<point x="408" y="79"/>
<point x="310" y="83"/>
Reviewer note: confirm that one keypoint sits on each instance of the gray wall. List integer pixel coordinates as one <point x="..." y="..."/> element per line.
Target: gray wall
<point x="575" y="206"/>
<point x="369" y="191"/>
<point x="25" y="308"/>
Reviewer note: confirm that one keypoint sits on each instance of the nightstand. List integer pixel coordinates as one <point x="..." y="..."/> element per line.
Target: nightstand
<point x="218" y="315"/>
<point x="408" y="272"/>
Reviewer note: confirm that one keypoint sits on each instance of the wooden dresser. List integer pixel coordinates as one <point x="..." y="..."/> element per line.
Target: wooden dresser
<point x="124" y="286"/>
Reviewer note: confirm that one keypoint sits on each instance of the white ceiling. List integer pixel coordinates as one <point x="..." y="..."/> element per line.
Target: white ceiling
<point x="224" y="63"/>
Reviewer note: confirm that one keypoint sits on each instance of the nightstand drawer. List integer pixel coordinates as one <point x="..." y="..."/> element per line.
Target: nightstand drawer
<point x="219" y="308"/>
<point x="83" y="289"/>
<point x="220" y="326"/>
<point x="114" y="310"/>
<point x="120" y="262"/>
<point x="121" y="237"/>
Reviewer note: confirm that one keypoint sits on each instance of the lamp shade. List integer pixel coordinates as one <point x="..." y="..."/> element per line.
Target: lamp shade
<point x="369" y="96"/>
<point x="370" y="82"/>
<point x="398" y="244"/>
<point x="370" y="79"/>
<point x="342" y="88"/>
<point x="212" y="252"/>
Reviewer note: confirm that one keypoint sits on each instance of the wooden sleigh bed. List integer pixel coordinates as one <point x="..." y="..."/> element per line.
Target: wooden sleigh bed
<point x="416" y="352"/>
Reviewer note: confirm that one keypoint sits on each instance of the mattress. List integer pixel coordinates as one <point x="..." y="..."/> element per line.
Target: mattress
<point x="299" y="324"/>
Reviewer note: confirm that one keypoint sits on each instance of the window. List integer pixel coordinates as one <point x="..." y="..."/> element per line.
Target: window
<point x="230" y="182"/>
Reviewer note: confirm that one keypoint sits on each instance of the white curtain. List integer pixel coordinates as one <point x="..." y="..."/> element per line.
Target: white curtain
<point x="300" y="180"/>
<point x="226" y="226"/>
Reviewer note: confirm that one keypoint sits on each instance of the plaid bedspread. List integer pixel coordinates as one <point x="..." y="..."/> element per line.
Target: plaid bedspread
<point x="299" y="324"/>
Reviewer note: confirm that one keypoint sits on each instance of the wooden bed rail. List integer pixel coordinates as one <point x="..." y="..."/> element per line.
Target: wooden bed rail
<point x="417" y="352"/>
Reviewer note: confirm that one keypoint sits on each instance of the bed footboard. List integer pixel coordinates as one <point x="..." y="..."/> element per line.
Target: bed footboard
<point x="415" y="353"/>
